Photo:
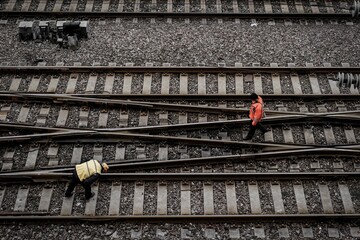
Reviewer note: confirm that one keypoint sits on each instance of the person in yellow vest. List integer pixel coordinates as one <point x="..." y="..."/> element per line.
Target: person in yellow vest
<point x="86" y="173"/>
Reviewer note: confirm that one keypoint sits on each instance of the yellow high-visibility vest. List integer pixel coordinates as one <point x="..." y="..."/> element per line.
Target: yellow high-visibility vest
<point x="87" y="169"/>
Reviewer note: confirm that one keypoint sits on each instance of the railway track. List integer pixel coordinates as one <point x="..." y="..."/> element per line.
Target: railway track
<point x="186" y="8"/>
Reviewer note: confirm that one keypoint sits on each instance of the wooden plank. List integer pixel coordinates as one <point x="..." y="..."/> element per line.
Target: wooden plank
<point x="73" y="5"/>
<point x="254" y="198"/>
<point x="300" y="199"/>
<point x="239" y="83"/>
<point x="24" y="111"/>
<point x="309" y="136"/>
<point x="31" y="158"/>
<point x="72" y="83"/>
<point x="165" y="84"/>
<point x="76" y="156"/>
<point x="218" y="6"/>
<point x="103" y="118"/>
<point x="259" y="232"/>
<point x="346" y="198"/>
<point x="185" y="198"/>
<point x="25" y="6"/>
<point x="222" y="84"/>
<point x="201" y="84"/>
<point x="44" y="112"/>
<point x="115" y="198"/>
<point x="21" y="199"/>
<point x="329" y="6"/>
<point x="231" y="198"/>
<point x="251" y="6"/>
<point x="208" y="198"/>
<point x="284" y="232"/>
<point x="83" y="117"/>
<point x="296" y="83"/>
<point x="350" y="134"/>
<point x="90" y="207"/>
<point x="329" y="135"/>
<point x="235" y="6"/>
<point x="105" y="6"/>
<point x="90" y="86"/>
<point x="314" y="7"/>
<point x="2" y="194"/>
<point x="268" y="6"/>
<point x="182" y="118"/>
<point x="258" y="84"/>
<point x="299" y="6"/>
<point x="89" y="5"/>
<point x="144" y="116"/>
<point x="169" y="6"/>
<point x="276" y="83"/>
<point x="57" y="6"/>
<point x="139" y="199"/>
<point x="163" y="152"/>
<point x="120" y="152"/>
<point x="4" y="112"/>
<point x="187" y="6"/>
<point x="284" y="6"/>
<point x="314" y="82"/>
<point x="277" y="198"/>
<point x="307" y="232"/>
<point x="63" y="114"/>
<point x="355" y="231"/>
<point x="98" y="152"/>
<point x="53" y="150"/>
<point x="183" y="83"/>
<point x="147" y="83"/>
<point x="54" y="81"/>
<point x="67" y="205"/>
<point x="202" y="6"/>
<point x="326" y="199"/>
<point x="288" y="136"/>
<point x="109" y="83"/>
<point x="15" y="83"/>
<point x="10" y="5"/>
<point x="124" y="119"/>
<point x="127" y="84"/>
<point x="137" y="6"/>
<point x="162" y="199"/>
<point x="121" y="6"/>
<point x="45" y="199"/>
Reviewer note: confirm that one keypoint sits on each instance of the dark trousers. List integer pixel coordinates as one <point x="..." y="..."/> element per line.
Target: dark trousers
<point x="253" y="129"/>
<point x="75" y="181"/>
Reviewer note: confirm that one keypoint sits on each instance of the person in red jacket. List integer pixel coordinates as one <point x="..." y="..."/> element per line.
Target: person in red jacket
<point x="256" y="114"/>
<point x="85" y="174"/>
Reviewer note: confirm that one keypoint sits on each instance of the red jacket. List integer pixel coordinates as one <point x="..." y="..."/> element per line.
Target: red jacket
<point x="256" y="111"/>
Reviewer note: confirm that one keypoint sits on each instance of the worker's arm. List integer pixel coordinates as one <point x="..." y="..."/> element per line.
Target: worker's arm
<point x="257" y="115"/>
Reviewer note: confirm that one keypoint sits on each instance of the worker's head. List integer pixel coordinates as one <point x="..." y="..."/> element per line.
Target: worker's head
<point x="253" y="96"/>
<point x="105" y="167"/>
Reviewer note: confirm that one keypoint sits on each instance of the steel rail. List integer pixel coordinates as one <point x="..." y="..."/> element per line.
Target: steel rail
<point x="264" y="218"/>
<point x="93" y="136"/>
<point x="217" y="97"/>
<point x="171" y="69"/>
<point x="78" y="99"/>
<point x="137" y="164"/>
<point x="290" y="119"/>
<point x="97" y="136"/>
<point x="44" y="176"/>
<point x="175" y="15"/>
<point x="145" y="100"/>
